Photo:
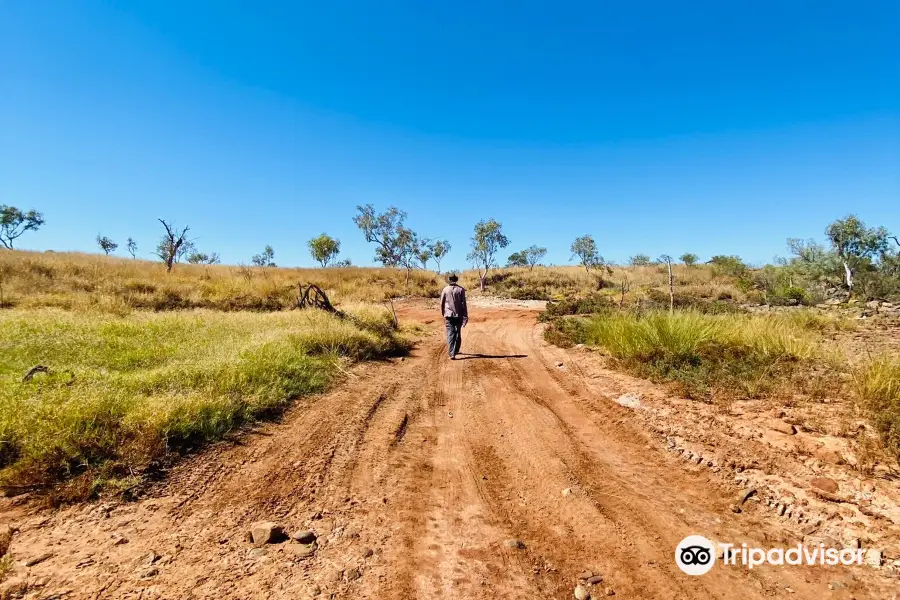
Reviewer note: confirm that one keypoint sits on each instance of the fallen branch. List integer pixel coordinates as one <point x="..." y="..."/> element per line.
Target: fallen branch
<point x="394" y="313"/>
<point x="47" y="371"/>
<point x="34" y="371"/>
<point x="312" y="296"/>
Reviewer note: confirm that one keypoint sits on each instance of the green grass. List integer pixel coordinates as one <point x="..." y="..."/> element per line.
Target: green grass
<point x="877" y="386"/>
<point x="710" y="356"/>
<point x="126" y="391"/>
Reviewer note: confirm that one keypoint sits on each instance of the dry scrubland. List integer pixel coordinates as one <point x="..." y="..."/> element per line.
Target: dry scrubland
<point x="146" y="365"/>
<point x="557" y="283"/>
<point x="75" y="281"/>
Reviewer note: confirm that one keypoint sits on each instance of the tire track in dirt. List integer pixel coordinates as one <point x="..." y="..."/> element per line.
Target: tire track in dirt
<point x="464" y="539"/>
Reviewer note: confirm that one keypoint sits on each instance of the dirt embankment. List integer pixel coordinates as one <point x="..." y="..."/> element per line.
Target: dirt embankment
<point x="507" y="474"/>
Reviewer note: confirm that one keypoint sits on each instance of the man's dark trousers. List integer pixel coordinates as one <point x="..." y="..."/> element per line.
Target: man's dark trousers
<point x="454" y="334"/>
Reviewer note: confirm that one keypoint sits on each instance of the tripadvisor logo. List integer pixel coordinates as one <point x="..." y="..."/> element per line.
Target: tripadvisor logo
<point x="696" y="555"/>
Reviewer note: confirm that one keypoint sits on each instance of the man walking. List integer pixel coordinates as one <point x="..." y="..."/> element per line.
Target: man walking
<point x="456" y="315"/>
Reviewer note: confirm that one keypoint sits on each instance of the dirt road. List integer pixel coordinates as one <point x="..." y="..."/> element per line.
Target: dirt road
<point x="416" y="476"/>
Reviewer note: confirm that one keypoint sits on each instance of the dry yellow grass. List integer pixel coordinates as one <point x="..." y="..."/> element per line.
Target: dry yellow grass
<point x="711" y="357"/>
<point x="877" y="386"/>
<point x="77" y="281"/>
<point x="558" y="282"/>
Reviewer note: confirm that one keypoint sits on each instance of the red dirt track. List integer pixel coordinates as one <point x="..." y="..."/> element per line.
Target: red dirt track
<point x="434" y="466"/>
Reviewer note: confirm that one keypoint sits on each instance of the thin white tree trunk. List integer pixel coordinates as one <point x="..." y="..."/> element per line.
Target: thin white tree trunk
<point x="849" y="276"/>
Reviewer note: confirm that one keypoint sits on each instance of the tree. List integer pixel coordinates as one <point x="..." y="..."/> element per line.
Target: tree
<point x="266" y="258"/>
<point x="173" y="244"/>
<point x="386" y="231"/>
<point x="439" y="249"/>
<point x="639" y="260"/>
<point x="132" y="247"/>
<point x="728" y="265"/>
<point x="424" y="252"/>
<point x="324" y="249"/>
<point x="517" y="259"/>
<point x="14" y="222"/>
<point x="488" y="239"/>
<point x="408" y="248"/>
<point x="856" y="245"/>
<point x="202" y="258"/>
<point x="106" y="244"/>
<point x="689" y="259"/>
<point x="343" y="263"/>
<point x="585" y="248"/>
<point x="533" y="255"/>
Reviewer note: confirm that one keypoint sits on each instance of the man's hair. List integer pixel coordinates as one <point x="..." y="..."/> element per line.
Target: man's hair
<point x="453" y="277"/>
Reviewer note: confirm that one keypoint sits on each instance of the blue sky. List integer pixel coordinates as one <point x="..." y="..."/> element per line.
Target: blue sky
<point x="711" y="127"/>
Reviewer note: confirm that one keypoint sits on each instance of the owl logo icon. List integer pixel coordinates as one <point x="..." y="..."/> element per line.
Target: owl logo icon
<point x="695" y="555"/>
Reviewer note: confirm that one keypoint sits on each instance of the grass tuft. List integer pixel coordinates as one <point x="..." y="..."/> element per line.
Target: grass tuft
<point x="877" y="387"/>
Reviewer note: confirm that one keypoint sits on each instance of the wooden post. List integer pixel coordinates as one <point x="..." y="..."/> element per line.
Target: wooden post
<point x="668" y="260"/>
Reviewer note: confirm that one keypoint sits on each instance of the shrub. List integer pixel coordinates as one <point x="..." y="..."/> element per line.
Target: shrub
<point x="731" y="266"/>
<point x="658" y="299"/>
<point x="594" y="303"/>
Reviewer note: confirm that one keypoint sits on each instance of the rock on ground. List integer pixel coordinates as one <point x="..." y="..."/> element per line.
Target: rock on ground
<point x="825" y="484"/>
<point x="266" y="532"/>
<point x="304" y="536"/>
<point x="782" y="427"/>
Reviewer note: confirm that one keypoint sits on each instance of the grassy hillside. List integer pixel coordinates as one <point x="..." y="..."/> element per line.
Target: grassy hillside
<point x="556" y="283"/>
<point x="80" y="281"/>
<point x="126" y="391"/>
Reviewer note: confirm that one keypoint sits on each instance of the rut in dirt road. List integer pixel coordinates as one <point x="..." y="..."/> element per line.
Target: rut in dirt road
<point x="415" y="476"/>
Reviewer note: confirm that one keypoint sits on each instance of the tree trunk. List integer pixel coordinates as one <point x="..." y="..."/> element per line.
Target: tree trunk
<point x="169" y="262"/>
<point x="848" y="273"/>
<point x="483" y="280"/>
<point x="671" y="288"/>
